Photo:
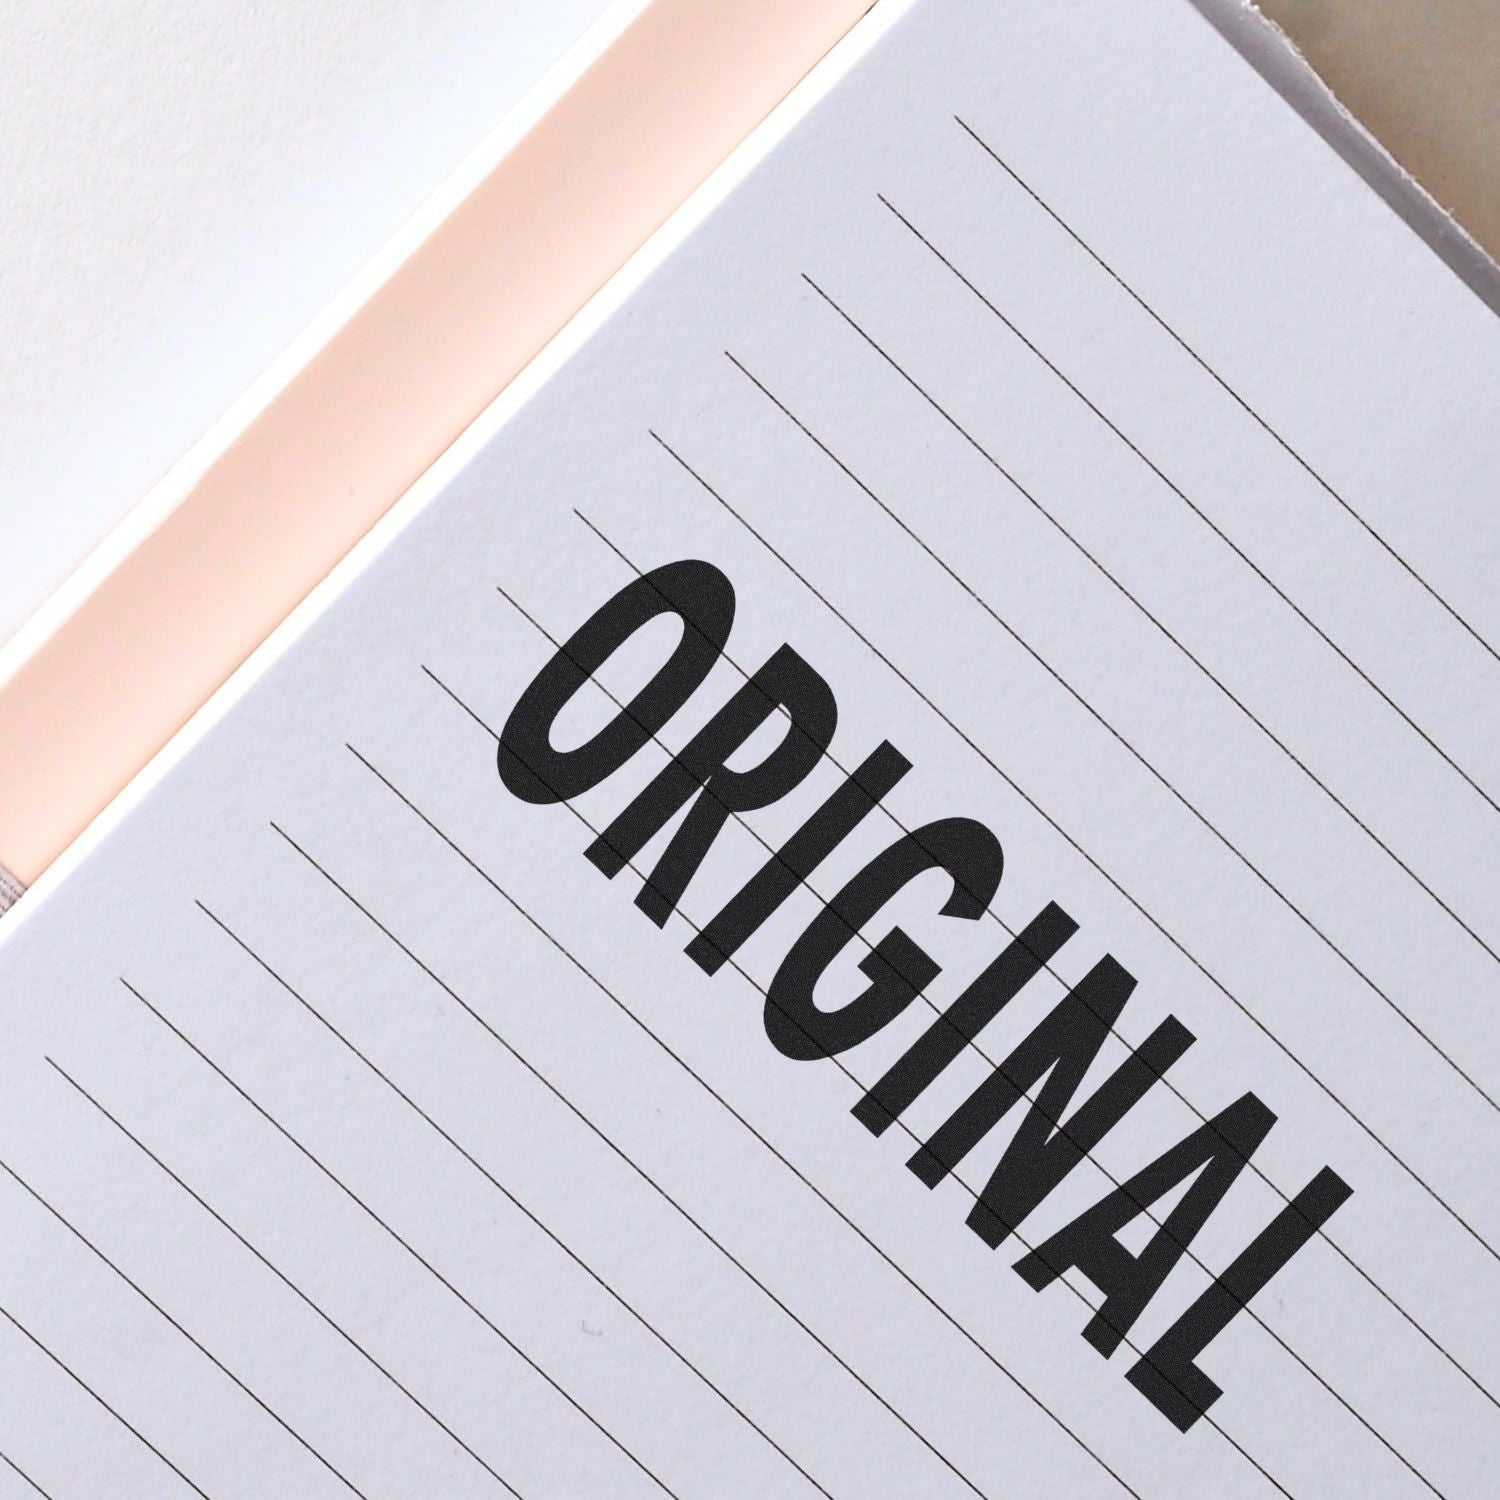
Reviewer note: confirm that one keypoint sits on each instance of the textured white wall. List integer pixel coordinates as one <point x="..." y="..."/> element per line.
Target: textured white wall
<point x="185" y="184"/>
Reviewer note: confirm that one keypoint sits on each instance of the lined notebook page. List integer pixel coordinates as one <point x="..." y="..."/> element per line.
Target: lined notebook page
<point x="1099" y="445"/>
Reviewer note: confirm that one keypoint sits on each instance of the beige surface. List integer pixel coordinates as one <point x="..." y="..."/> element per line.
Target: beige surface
<point x="1423" y="76"/>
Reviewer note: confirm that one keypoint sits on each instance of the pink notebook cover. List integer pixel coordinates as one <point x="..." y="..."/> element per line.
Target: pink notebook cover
<point x="620" y="133"/>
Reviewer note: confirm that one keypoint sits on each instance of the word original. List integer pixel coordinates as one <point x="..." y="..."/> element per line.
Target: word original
<point x="1047" y="1066"/>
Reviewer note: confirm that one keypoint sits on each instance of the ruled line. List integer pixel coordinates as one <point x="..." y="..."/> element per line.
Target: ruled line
<point x="1202" y="515"/>
<point x="88" y="1390"/>
<point x="970" y="1043"/>
<point x="955" y="1175"/>
<point x="1079" y="547"/>
<point x="405" y="1244"/>
<point x="462" y="1151"/>
<point x="602" y="1135"/>
<point x="1223" y="384"/>
<point x="745" y="1123"/>
<point x="26" y="1478"/>
<point x="285" y="1280"/>
<point x="1094" y="863"/>
<point x="197" y="1344"/>
<point x="1138" y="605"/>
<point x="1320" y="1231"/>
<point x="978" y="598"/>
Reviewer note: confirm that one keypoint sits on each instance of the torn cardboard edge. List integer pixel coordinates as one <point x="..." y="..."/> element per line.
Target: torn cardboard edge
<point x="1273" y="54"/>
<point x="127" y="601"/>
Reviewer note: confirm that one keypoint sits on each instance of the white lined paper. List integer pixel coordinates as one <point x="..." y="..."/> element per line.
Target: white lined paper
<point x="296" y="1044"/>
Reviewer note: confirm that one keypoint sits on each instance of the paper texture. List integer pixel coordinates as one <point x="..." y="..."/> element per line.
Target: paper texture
<point x="1048" y="398"/>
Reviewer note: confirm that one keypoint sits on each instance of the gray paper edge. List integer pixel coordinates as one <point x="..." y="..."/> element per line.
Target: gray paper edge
<point x="1272" y="54"/>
